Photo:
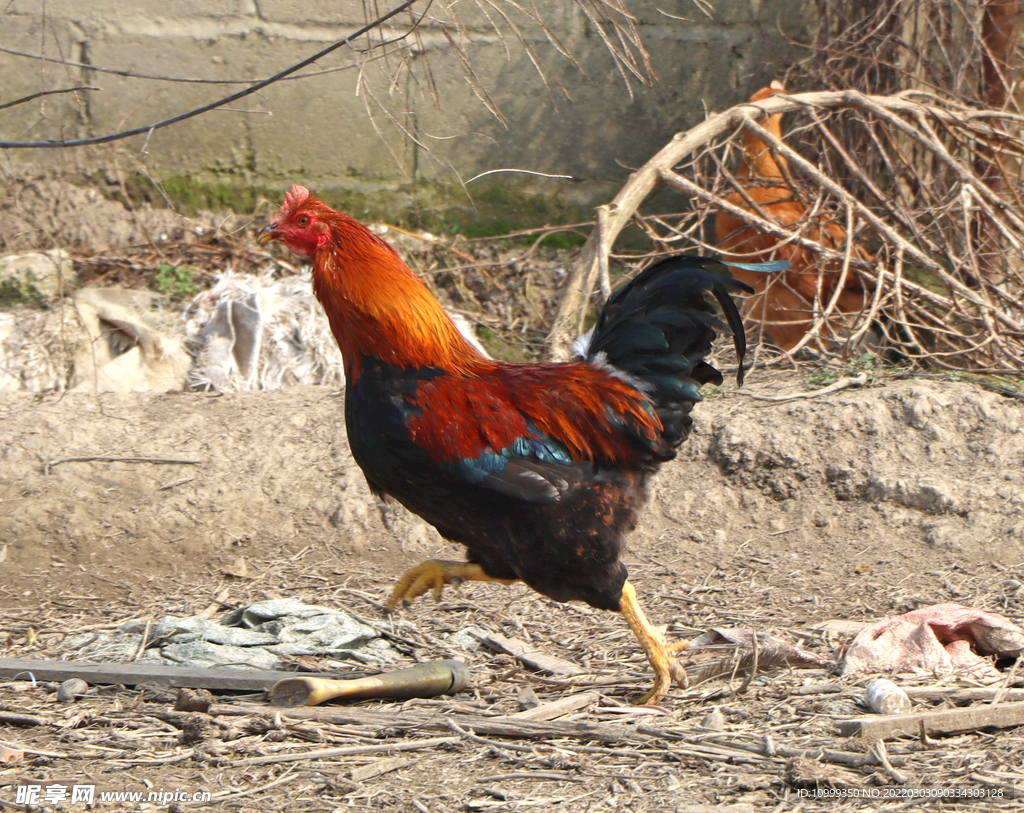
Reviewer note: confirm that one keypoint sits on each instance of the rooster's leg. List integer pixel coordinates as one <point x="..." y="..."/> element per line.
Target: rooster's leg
<point x="659" y="652"/>
<point x="434" y="574"/>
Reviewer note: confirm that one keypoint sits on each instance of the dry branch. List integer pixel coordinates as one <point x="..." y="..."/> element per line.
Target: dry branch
<point x="556" y="708"/>
<point x="531" y="656"/>
<point x="944" y="721"/>
<point x="958" y="695"/>
<point x="132" y="674"/>
<point x="15" y="719"/>
<point x="858" y="380"/>
<point x="47" y="466"/>
<point x="334" y="753"/>
<point x="846" y="758"/>
<point x="408" y="720"/>
<point x="936" y="297"/>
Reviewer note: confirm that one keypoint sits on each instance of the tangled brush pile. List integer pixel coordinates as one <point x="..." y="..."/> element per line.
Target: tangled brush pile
<point x="926" y="189"/>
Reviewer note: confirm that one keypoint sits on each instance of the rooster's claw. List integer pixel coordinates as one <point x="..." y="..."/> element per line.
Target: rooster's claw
<point x="433" y="575"/>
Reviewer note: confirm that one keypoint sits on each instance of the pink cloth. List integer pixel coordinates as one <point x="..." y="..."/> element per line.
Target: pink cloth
<point x="943" y="639"/>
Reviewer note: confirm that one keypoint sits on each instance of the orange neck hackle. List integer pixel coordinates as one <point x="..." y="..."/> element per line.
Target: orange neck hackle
<point x="758" y="160"/>
<point x="375" y="304"/>
<point x="379" y="308"/>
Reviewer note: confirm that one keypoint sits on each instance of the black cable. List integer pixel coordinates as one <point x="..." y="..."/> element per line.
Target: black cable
<point x="149" y="128"/>
<point x="180" y="79"/>
<point x="29" y="98"/>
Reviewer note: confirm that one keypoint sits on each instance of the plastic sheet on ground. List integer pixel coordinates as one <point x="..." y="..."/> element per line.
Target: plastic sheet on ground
<point x="264" y="635"/>
<point x="252" y="332"/>
<point x="261" y="333"/>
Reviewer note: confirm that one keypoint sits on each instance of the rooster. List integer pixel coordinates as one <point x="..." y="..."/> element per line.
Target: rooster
<point x="539" y="470"/>
<point x="784" y="302"/>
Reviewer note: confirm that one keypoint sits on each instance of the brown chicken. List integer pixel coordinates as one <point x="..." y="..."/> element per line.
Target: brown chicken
<point x="784" y="301"/>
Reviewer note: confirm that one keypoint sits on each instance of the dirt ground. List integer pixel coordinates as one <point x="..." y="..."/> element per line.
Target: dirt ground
<point x="777" y="516"/>
<point x="916" y="472"/>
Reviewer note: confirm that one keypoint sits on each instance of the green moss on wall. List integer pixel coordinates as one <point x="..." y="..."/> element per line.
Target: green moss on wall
<point x="496" y="207"/>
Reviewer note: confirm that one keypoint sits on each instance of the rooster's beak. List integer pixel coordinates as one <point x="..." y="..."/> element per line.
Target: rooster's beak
<point x="268" y="233"/>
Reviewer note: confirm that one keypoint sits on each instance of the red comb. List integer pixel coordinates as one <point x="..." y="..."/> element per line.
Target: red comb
<point x="296" y="196"/>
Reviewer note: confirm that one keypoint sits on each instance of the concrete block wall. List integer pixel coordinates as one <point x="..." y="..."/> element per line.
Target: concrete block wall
<point x="330" y="131"/>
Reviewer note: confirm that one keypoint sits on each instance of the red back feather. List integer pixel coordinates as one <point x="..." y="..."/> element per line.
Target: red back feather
<point x="572" y="403"/>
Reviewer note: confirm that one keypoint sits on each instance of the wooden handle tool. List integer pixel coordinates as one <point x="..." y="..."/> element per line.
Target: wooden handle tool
<point x="422" y="680"/>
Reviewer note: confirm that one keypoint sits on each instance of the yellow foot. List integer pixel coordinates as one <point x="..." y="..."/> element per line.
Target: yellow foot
<point x="659" y="652"/>
<point x="676" y="647"/>
<point x="433" y="575"/>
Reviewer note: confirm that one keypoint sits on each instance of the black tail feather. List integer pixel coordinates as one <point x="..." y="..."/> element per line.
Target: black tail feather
<point x="659" y="327"/>
<point x="735" y="321"/>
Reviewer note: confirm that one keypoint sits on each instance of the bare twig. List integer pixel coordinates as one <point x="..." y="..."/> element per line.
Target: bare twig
<point x="331" y="753"/>
<point x="858" y="380"/>
<point x="102" y="459"/>
<point x="880" y="751"/>
<point x="1004" y="687"/>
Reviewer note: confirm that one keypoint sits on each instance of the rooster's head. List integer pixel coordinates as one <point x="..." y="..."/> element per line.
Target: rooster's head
<point x="299" y="223"/>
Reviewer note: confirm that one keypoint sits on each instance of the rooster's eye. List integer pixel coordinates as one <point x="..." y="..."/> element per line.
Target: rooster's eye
<point x="303" y="221"/>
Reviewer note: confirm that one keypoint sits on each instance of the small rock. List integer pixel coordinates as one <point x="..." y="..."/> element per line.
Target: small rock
<point x="238" y="568"/>
<point x="189" y="700"/>
<point x="71" y="689"/>
<point x="714" y="721"/>
<point x="468" y="639"/>
<point x="527" y="698"/>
